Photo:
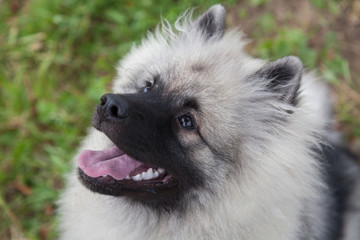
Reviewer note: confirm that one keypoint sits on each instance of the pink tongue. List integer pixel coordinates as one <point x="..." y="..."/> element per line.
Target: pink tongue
<point x="111" y="161"/>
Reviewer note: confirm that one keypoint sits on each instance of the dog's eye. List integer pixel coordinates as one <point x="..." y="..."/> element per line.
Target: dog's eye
<point x="186" y="121"/>
<point x="147" y="87"/>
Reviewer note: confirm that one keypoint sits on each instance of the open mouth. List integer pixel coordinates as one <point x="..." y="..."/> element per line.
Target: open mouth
<point x="113" y="172"/>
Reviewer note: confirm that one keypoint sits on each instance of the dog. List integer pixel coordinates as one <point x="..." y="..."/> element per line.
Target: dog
<point x="199" y="140"/>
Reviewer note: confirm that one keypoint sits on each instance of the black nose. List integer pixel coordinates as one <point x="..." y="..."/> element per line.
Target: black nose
<point x="113" y="107"/>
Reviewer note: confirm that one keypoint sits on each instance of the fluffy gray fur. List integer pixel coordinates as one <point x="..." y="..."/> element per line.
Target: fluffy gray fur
<point x="265" y="118"/>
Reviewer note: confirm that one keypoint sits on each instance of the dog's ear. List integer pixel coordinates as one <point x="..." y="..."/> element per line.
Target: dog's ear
<point x="212" y="22"/>
<point x="283" y="77"/>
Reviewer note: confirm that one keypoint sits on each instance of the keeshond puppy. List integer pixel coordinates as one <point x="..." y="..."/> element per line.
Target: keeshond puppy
<point x="199" y="140"/>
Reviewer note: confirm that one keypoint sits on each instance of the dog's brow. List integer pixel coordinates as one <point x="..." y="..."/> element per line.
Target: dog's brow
<point x="197" y="67"/>
<point x="191" y="103"/>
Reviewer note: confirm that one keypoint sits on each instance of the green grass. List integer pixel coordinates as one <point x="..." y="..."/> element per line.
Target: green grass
<point x="57" y="58"/>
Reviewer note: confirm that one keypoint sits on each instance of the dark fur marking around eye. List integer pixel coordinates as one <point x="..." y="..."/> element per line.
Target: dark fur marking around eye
<point x="156" y="79"/>
<point x="150" y="84"/>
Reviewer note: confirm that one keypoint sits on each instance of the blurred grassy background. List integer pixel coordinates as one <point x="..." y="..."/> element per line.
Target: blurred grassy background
<point x="57" y="58"/>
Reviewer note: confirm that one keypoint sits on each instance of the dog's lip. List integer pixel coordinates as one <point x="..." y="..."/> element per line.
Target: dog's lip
<point x="162" y="180"/>
<point x="110" y="186"/>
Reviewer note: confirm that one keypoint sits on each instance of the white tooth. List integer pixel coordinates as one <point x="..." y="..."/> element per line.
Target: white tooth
<point x="156" y="174"/>
<point x="127" y="177"/>
<point x="104" y="175"/>
<point x="161" y="170"/>
<point x="148" y="174"/>
<point x="137" y="178"/>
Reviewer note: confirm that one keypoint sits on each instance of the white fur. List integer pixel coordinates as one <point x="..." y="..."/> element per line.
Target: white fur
<point x="278" y="175"/>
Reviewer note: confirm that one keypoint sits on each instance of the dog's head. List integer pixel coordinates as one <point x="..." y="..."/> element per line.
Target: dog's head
<point x="186" y="110"/>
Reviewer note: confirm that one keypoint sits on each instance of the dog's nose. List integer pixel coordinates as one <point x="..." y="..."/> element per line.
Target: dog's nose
<point x="113" y="107"/>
